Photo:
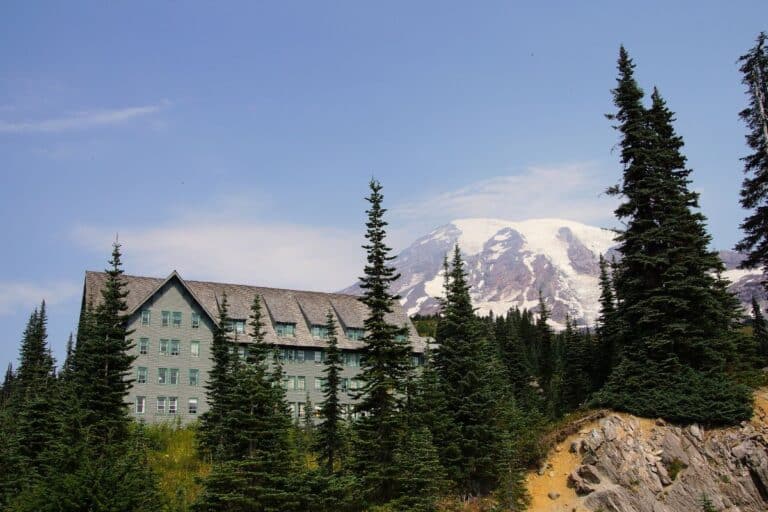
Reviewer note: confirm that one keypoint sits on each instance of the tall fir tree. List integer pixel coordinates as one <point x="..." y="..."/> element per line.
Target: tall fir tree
<point x="217" y="387"/>
<point x="467" y="368"/>
<point x="754" y="189"/>
<point x="608" y="328"/>
<point x="329" y="436"/>
<point x="384" y="366"/>
<point x="676" y="316"/>
<point x="760" y="332"/>
<point x="103" y="361"/>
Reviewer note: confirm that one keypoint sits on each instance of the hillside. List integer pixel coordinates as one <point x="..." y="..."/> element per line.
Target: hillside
<point x="621" y="463"/>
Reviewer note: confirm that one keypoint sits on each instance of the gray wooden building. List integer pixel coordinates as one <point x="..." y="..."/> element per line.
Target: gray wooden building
<point x="172" y="321"/>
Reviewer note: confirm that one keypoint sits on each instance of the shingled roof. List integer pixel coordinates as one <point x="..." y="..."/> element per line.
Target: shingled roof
<point x="303" y="308"/>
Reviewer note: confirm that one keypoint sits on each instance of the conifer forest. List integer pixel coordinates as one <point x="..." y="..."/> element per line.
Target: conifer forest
<point x="460" y="430"/>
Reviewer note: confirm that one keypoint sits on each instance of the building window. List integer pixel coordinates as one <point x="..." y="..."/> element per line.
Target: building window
<point x="351" y="359"/>
<point x="173" y="403"/>
<point x="166" y="319"/>
<point x="192" y="406"/>
<point x="161" y="405"/>
<point x="141" y="402"/>
<point x="400" y="337"/>
<point x="319" y="384"/>
<point x="164" y="347"/>
<point x="301" y="408"/>
<point x="289" y="383"/>
<point x="175" y="347"/>
<point x="146" y="316"/>
<point x="285" y="330"/>
<point x="318" y="356"/>
<point x="301" y="383"/>
<point x="141" y="375"/>
<point x="355" y="333"/>
<point x="345" y="384"/>
<point x="174" y="376"/>
<point x="299" y="356"/>
<point x="143" y="345"/>
<point x="418" y="360"/>
<point x="194" y="376"/>
<point x="236" y="326"/>
<point x="177" y="318"/>
<point x="162" y="375"/>
<point x="319" y="332"/>
<point x="194" y="348"/>
<point x="195" y="320"/>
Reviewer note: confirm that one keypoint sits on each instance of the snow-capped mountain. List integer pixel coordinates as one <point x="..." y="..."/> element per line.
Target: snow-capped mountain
<point x="509" y="262"/>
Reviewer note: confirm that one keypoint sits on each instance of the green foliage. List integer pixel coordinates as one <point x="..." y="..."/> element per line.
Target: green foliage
<point x="673" y="309"/>
<point x="754" y="189"/>
<point x="706" y="504"/>
<point x="329" y="437"/>
<point x="384" y="367"/>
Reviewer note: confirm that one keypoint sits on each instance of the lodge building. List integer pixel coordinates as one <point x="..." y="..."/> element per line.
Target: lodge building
<point x="172" y="322"/>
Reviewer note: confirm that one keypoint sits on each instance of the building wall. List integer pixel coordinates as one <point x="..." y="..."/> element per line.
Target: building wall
<point x="172" y="297"/>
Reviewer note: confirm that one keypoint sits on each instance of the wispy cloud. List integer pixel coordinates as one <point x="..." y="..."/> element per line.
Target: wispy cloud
<point x="18" y="296"/>
<point x="569" y="191"/>
<point x="80" y="120"/>
<point x="230" y="250"/>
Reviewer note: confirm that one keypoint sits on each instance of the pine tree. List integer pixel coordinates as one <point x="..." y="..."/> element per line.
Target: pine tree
<point x="103" y="362"/>
<point x="754" y="189"/>
<point x="468" y="369"/>
<point x="608" y="328"/>
<point x="329" y="440"/>
<point x="384" y="365"/>
<point x="8" y="385"/>
<point x="217" y="387"/>
<point x="760" y="331"/>
<point x="546" y="350"/>
<point x="676" y="316"/>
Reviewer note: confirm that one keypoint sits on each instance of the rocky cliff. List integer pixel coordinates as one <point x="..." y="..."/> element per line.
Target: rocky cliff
<point x="622" y="463"/>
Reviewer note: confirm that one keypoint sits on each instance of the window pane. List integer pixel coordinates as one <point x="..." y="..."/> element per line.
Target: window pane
<point x="177" y="318"/>
<point x="145" y="317"/>
<point x="301" y="383"/>
<point x="162" y="375"/>
<point x="164" y="346"/>
<point x="192" y="406"/>
<point x="161" y="405"/>
<point x="318" y="356"/>
<point x="195" y="348"/>
<point x="299" y="356"/>
<point x="166" y="318"/>
<point x="172" y="403"/>
<point x="175" y="347"/>
<point x="193" y="377"/>
<point x="141" y="375"/>
<point x="174" y="376"/>
<point x="195" y="320"/>
<point x="140" y="404"/>
<point x="143" y="345"/>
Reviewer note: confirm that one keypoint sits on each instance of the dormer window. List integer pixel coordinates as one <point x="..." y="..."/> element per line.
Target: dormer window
<point x="285" y="329"/>
<point x="355" y="333"/>
<point x="236" y="326"/>
<point x="319" y="332"/>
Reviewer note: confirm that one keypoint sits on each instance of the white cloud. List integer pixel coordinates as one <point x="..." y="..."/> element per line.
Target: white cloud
<point x="571" y="191"/>
<point x="18" y="296"/>
<point x="228" y="250"/>
<point x="79" y="120"/>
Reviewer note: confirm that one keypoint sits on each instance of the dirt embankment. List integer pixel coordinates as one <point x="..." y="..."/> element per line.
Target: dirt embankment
<point x="623" y="463"/>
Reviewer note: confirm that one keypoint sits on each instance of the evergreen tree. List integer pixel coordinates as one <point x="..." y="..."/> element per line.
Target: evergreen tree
<point x="676" y="316"/>
<point x="103" y="363"/>
<point x="329" y="440"/>
<point x="546" y="353"/>
<point x="760" y="332"/>
<point x="608" y="328"/>
<point x="468" y="370"/>
<point x="420" y="477"/>
<point x="384" y="365"/>
<point x="754" y="189"/>
<point x="8" y="385"/>
<point x="218" y="386"/>
<point x="253" y="461"/>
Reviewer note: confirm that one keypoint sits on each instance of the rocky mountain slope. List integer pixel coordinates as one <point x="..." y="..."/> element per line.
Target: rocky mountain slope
<point x="509" y="262"/>
<point x="622" y="463"/>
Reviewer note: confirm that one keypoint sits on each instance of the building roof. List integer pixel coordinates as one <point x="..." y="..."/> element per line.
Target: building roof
<point x="303" y="308"/>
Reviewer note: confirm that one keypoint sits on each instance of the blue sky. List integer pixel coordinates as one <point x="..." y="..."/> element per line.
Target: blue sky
<point x="234" y="141"/>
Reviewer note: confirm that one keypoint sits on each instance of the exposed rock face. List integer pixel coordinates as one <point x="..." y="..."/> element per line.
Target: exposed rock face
<point x="627" y="464"/>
